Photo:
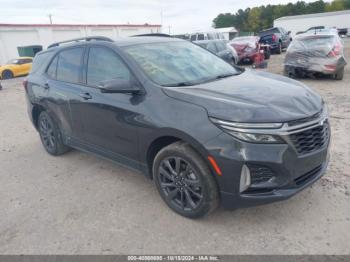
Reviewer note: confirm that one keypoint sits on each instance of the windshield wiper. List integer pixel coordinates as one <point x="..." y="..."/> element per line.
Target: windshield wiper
<point x="225" y="75"/>
<point x="181" y="84"/>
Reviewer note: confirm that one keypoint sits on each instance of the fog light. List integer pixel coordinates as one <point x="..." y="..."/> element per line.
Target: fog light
<point x="245" y="179"/>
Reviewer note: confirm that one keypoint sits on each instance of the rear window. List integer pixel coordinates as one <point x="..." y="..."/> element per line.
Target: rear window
<point x="40" y="61"/>
<point x="315" y="42"/>
<point x="69" y="65"/>
<point x="269" y="32"/>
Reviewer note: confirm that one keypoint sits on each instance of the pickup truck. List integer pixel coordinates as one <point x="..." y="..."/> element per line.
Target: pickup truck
<point x="277" y="37"/>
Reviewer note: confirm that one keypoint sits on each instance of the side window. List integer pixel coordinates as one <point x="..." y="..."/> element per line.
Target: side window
<point x="220" y="46"/>
<point x="193" y="37"/>
<point x="51" y="71"/>
<point x="104" y="64"/>
<point x="211" y="47"/>
<point x="27" y="61"/>
<point x="69" y="65"/>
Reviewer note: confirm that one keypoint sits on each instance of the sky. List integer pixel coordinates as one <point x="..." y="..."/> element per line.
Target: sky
<point x="179" y="16"/>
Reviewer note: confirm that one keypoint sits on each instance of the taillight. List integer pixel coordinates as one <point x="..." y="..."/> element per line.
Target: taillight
<point x="274" y="38"/>
<point x="335" y="51"/>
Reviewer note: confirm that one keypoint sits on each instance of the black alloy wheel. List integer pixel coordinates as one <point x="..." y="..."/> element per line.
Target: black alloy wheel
<point x="185" y="181"/>
<point x="180" y="184"/>
<point x="50" y="135"/>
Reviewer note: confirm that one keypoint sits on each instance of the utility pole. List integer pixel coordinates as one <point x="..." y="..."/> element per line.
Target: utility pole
<point x="169" y="27"/>
<point x="161" y="14"/>
<point x="50" y="17"/>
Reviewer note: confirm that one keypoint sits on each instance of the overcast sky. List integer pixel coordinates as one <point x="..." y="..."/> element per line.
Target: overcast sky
<point x="181" y="15"/>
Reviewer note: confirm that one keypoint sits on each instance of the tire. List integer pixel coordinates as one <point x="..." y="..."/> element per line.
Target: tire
<point x="339" y="75"/>
<point x="267" y="54"/>
<point x="7" y="74"/>
<point x="50" y="135"/>
<point x="184" y="181"/>
<point x="279" y="48"/>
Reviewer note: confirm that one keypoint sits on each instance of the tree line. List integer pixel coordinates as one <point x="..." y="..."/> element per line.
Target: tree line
<point x="258" y="18"/>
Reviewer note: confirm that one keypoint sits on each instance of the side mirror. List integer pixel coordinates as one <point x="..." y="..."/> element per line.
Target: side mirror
<point x="118" y="85"/>
<point x="288" y="32"/>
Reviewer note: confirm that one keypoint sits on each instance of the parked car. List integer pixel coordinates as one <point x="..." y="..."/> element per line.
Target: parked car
<point x="205" y="131"/>
<point x="199" y="36"/>
<point x="342" y="32"/>
<point x="220" y="48"/>
<point x="16" y="67"/>
<point x="314" y="54"/>
<point x="249" y="49"/>
<point x="277" y="38"/>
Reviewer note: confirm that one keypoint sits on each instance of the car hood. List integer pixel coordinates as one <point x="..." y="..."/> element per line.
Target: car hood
<point x="253" y="96"/>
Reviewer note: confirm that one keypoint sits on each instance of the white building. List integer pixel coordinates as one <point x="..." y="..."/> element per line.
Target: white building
<point x="228" y="32"/>
<point x="298" y="23"/>
<point x="14" y="35"/>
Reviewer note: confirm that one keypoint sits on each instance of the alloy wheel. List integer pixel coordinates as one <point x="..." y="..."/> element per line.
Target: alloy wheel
<point x="47" y="133"/>
<point x="180" y="184"/>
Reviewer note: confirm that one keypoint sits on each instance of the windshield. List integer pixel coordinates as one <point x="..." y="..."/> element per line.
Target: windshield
<point x="12" y="62"/>
<point x="179" y="63"/>
<point x="319" y="43"/>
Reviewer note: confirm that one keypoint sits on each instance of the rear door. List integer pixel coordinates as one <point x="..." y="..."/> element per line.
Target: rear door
<point x="109" y="119"/>
<point x="63" y="87"/>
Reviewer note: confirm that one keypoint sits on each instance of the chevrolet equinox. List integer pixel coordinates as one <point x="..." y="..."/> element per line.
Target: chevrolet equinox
<point x="205" y="131"/>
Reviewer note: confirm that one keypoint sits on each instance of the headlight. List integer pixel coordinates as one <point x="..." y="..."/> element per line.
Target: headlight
<point x="245" y="131"/>
<point x="256" y="138"/>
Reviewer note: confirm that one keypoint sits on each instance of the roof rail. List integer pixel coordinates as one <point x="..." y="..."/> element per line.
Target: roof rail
<point x="153" y="34"/>
<point x="88" y="38"/>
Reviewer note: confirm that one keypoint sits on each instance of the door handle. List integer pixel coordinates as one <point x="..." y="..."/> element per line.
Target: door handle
<point x="86" y="96"/>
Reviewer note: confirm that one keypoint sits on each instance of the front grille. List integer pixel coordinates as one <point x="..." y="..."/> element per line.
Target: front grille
<point x="312" y="139"/>
<point x="260" y="174"/>
<point x="306" y="177"/>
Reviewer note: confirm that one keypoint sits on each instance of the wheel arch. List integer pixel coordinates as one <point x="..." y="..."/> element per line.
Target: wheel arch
<point x="167" y="137"/>
<point x="36" y="110"/>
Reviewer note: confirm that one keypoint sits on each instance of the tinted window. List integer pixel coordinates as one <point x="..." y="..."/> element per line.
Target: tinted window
<point x="200" y="37"/>
<point x="40" y="61"/>
<point x="25" y="61"/>
<point x="103" y="65"/>
<point x="51" y="71"/>
<point x="193" y="37"/>
<point x="69" y="65"/>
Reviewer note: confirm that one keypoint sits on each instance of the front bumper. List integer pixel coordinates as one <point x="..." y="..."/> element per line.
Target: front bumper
<point x="292" y="172"/>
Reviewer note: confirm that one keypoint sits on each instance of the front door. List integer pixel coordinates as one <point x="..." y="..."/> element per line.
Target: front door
<point x="109" y="120"/>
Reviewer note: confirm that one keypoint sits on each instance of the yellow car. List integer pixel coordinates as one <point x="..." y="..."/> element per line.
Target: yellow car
<point x="16" y="67"/>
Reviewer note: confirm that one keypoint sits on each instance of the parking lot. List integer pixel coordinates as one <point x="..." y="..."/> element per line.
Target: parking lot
<point x="80" y="204"/>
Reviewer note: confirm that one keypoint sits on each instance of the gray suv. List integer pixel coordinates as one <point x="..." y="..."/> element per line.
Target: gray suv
<point x="205" y="131"/>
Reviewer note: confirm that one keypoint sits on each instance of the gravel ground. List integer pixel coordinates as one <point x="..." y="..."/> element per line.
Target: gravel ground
<point x="80" y="204"/>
